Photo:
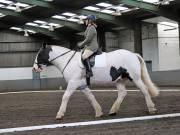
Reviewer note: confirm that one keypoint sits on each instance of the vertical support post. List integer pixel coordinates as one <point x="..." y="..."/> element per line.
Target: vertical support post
<point x="179" y="35"/>
<point x="73" y="42"/>
<point x="101" y="39"/>
<point x="138" y="37"/>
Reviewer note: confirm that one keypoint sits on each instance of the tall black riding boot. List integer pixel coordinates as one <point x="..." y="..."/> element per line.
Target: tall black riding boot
<point x="88" y="68"/>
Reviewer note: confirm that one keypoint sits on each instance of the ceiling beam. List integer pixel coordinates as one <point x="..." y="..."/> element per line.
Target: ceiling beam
<point x="109" y="18"/>
<point x="119" y="21"/>
<point x="69" y="24"/>
<point x="53" y="34"/>
<point x="106" y="17"/>
<point x="39" y="3"/>
<point x="12" y="13"/>
<point x="66" y="23"/>
<point x="156" y="9"/>
<point x="64" y="3"/>
<point x="25" y="18"/>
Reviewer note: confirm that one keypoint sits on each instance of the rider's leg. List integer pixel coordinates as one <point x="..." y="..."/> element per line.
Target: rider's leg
<point x="88" y="68"/>
<point x="85" y="57"/>
<point x="87" y="53"/>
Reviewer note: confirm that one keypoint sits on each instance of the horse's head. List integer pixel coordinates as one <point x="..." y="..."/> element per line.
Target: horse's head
<point x="42" y="58"/>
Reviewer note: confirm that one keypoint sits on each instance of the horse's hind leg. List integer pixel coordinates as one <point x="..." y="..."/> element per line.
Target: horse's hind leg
<point x="121" y="95"/>
<point x="93" y="101"/>
<point x="151" y="107"/>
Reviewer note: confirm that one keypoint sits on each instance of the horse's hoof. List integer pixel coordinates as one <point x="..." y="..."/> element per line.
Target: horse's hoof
<point x="153" y="112"/>
<point x="59" y="117"/>
<point x="99" y="115"/>
<point x="112" y="114"/>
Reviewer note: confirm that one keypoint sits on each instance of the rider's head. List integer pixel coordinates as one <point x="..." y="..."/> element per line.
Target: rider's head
<point x="90" y="19"/>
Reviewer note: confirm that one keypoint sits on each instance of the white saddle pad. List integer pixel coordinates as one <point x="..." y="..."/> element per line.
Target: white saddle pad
<point x="100" y="61"/>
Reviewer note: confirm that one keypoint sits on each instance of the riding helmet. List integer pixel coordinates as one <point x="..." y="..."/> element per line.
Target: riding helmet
<point x="91" y="17"/>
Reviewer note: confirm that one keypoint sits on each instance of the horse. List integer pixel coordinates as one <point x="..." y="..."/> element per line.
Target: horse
<point x="69" y="63"/>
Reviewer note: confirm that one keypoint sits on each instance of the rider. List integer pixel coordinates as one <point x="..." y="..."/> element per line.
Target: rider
<point x="89" y="44"/>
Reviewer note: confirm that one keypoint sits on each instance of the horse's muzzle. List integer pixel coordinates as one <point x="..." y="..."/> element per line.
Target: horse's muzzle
<point x="37" y="70"/>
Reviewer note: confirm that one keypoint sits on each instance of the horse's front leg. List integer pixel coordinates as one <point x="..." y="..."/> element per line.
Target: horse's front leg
<point x="93" y="101"/>
<point x="72" y="86"/>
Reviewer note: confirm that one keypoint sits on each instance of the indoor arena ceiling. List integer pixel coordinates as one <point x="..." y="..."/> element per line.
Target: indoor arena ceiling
<point x="58" y="18"/>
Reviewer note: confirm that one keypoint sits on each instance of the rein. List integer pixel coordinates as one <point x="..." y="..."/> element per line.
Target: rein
<point x="68" y="60"/>
<point x="60" y="56"/>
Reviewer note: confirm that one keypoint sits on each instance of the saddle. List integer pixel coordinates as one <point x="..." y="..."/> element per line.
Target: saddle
<point x="97" y="59"/>
<point x="92" y="58"/>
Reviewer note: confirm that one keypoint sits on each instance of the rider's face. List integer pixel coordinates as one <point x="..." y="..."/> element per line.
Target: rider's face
<point x="87" y="22"/>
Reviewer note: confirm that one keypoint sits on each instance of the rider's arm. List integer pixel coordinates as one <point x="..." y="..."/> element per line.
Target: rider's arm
<point x="90" y="35"/>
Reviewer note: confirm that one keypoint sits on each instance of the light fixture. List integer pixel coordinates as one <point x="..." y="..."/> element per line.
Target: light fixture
<point x="32" y="24"/>
<point x="68" y="14"/>
<point x="6" y="1"/>
<point x="1" y="5"/>
<point x="48" y="0"/>
<point x="26" y="33"/>
<point x="92" y="8"/>
<point x="82" y="16"/>
<point x="103" y="4"/>
<point x="40" y="22"/>
<point x="80" y="21"/>
<point x="44" y="26"/>
<point x="121" y="8"/>
<point x="18" y="9"/>
<point x="16" y="28"/>
<point x="31" y="31"/>
<point x="23" y="5"/>
<point x="73" y="19"/>
<point x="107" y="11"/>
<point x="51" y="27"/>
<point x="117" y="13"/>
<point x="55" y="25"/>
<point x="59" y="17"/>
<point x="165" y="2"/>
<point x="149" y="1"/>
<point x="2" y="15"/>
<point x="11" y="7"/>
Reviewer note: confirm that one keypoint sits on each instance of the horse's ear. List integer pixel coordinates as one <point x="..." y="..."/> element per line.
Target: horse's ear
<point x="44" y="45"/>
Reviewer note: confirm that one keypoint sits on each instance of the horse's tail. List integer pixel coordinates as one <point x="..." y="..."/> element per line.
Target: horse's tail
<point x="153" y="90"/>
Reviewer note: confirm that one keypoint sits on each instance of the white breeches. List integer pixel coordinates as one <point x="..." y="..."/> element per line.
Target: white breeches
<point x="86" y="54"/>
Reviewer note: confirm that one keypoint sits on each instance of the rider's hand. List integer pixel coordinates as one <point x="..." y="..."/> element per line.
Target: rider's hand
<point x="79" y="45"/>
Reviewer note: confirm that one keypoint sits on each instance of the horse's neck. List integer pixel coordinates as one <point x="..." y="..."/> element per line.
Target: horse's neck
<point x="61" y="61"/>
<point x="57" y="50"/>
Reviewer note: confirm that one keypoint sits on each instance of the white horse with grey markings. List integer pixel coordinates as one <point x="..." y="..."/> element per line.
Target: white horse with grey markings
<point x="69" y="63"/>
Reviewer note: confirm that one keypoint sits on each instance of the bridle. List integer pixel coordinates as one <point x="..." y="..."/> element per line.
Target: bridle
<point x="49" y="62"/>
